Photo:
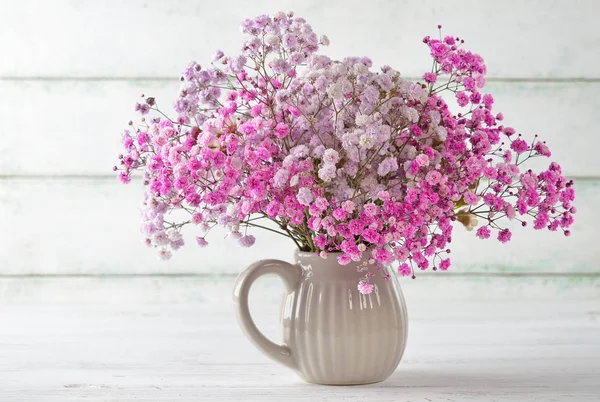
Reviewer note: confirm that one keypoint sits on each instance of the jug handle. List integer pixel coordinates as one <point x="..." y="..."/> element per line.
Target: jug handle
<point x="290" y="274"/>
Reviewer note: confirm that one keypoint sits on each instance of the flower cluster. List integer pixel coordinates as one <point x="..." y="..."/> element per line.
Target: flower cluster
<point x="337" y="157"/>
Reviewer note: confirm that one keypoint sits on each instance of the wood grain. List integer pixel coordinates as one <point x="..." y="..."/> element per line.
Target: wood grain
<point x="139" y="38"/>
<point x="74" y="127"/>
<point x="168" y="339"/>
<point x="89" y="226"/>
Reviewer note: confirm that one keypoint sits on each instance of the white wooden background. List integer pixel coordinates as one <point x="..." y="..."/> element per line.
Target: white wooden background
<point x="87" y="311"/>
<point x="70" y="72"/>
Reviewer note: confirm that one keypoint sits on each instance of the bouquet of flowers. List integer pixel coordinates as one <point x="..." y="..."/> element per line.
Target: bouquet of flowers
<point x="337" y="157"/>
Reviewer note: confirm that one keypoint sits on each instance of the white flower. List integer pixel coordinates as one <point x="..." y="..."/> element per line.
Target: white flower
<point x="335" y="91"/>
<point x="164" y="254"/>
<point x="289" y="161"/>
<point x="409" y="152"/>
<point x="361" y="120"/>
<point x="346" y="86"/>
<point x="441" y="132"/>
<point x="327" y="172"/>
<point x="272" y="40"/>
<point x="174" y="235"/>
<point x="413" y="115"/>
<point x="331" y="157"/>
<point x="340" y="69"/>
<point x="232" y="210"/>
<point x="365" y="141"/>
<point x="294" y="180"/>
<point x="304" y="196"/>
<point x="435" y="117"/>
<point x="160" y="238"/>
<point x="360" y="69"/>
<point x="300" y="151"/>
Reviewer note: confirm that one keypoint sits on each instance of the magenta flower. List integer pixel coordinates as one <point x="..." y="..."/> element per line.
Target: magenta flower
<point x="445" y="264"/>
<point x="504" y="235"/>
<point x="404" y="270"/>
<point x="429" y="78"/>
<point x="483" y="232"/>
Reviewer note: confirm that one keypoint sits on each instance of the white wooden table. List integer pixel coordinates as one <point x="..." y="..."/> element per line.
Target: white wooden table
<point x="160" y="338"/>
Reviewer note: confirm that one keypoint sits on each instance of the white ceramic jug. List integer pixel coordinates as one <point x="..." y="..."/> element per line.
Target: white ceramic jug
<point x="332" y="334"/>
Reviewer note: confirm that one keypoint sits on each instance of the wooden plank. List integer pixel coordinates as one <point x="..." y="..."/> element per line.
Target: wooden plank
<point x="90" y="226"/>
<point x="168" y="339"/>
<point x="137" y="38"/>
<point x="77" y="125"/>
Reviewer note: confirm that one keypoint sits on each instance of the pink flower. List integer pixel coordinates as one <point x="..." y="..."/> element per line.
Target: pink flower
<point x="519" y="146"/>
<point x="365" y="288"/>
<point x="444" y="264"/>
<point x="355" y="227"/>
<point x="294" y="111"/>
<point x="490" y="172"/>
<point x="255" y="110"/>
<point x="542" y="149"/>
<point x="339" y="214"/>
<point x="404" y="269"/>
<point x="429" y="78"/>
<point x="469" y="83"/>
<point x="488" y="101"/>
<point x="143" y="109"/>
<point x="281" y="130"/>
<point x="123" y="178"/>
<point x="470" y="198"/>
<point x="371" y="209"/>
<point x="344" y="259"/>
<point x="462" y="99"/>
<point x="197" y="218"/>
<point x="504" y="235"/>
<point x="475" y="98"/>
<point x="508" y="131"/>
<point x="416" y="130"/>
<point x="483" y="232"/>
<point x="273" y="209"/>
<point x="382" y="255"/>
<point x="422" y="160"/>
<point x="433" y="177"/>
<point x="348" y="206"/>
<point x="321" y="203"/>
<point x="320" y="241"/>
<point x="201" y="242"/>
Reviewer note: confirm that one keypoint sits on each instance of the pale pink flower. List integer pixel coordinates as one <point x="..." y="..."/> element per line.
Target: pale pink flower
<point x="164" y="254"/>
